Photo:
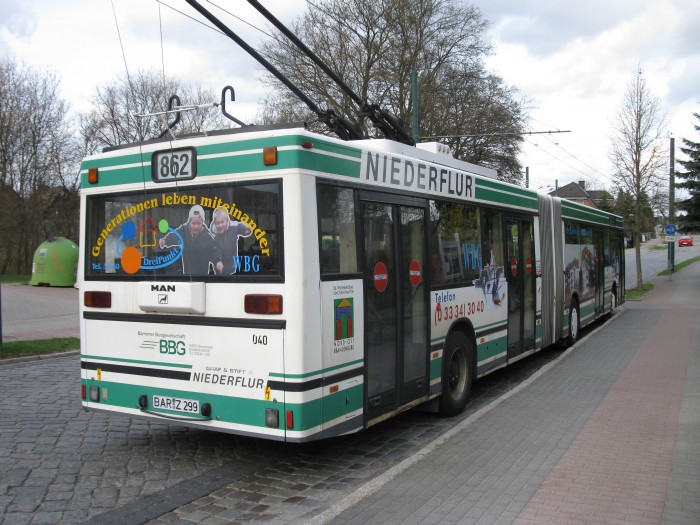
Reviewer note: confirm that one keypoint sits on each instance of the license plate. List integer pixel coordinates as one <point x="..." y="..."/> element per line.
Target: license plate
<point x="190" y="406"/>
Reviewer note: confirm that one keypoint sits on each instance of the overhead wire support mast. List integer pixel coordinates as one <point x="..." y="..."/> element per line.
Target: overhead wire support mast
<point x="387" y="123"/>
<point x="341" y="126"/>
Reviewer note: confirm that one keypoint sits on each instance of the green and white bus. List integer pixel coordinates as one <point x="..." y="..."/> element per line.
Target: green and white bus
<point x="277" y="283"/>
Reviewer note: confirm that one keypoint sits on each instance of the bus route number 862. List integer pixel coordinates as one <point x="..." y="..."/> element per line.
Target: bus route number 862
<point x="174" y="164"/>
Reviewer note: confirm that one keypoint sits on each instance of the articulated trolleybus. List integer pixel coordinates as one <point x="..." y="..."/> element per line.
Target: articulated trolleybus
<point x="278" y="283"/>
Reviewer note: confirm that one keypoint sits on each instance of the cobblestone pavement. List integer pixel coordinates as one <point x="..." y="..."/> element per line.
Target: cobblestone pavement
<point x="61" y="464"/>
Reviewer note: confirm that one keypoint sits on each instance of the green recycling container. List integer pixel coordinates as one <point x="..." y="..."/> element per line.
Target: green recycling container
<point x="55" y="263"/>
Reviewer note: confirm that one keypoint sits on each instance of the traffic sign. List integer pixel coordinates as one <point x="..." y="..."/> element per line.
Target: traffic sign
<point x="670" y="238"/>
<point x="670" y="229"/>
<point x="381" y="276"/>
<point x="414" y="273"/>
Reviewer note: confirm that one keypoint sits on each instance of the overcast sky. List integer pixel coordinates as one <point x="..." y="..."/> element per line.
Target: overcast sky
<point x="571" y="60"/>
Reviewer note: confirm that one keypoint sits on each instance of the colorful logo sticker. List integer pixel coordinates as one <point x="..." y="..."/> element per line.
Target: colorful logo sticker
<point x="132" y="258"/>
<point x="344" y="316"/>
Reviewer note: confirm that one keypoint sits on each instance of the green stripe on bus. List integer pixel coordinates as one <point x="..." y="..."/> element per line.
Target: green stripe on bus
<point x="497" y="185"/>
<point x="497" y="197"/>
<point x="250" y="144"/>
<point x="491" y="348"/>
<point x="338" y="149"/>
<point x="435" y="369"/>
<point x="231" y="165"/>
<point x="121" y="160"/>
<point x="330" y="165"/>
<point x="136" y="167"/>
<point x="237" y="410"/>
<point x="587" y="310"/>
<point x="573" y="211"/>
<point x="135" y="361"/>
<point x="319" y="372"/>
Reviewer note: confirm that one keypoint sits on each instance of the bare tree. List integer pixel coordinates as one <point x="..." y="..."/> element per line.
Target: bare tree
<point x="374" y="46"/>
<point x="115" y="120"/>
<point x="637" y="154"/>
<point x="38" y="165"/>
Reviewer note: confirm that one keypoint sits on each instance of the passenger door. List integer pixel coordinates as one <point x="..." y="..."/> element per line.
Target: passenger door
<point x="396" y="303"/>
<point x="599" y="271"/>
<point x="520" y="275"/>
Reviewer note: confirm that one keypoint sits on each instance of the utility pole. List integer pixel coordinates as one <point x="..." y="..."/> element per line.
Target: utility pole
<point x="415" y="110"/>
<point x="671" y="183"/>
<point x="0" y="318"/>
<point x="0" y="313"/>
<point x="671" y="211"/>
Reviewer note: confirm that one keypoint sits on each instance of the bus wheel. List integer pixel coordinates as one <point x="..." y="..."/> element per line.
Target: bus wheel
<point x="574" y="322"/>
<point x="456" y="374"/>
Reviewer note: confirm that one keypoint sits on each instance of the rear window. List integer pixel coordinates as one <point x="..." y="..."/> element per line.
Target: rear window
<point x="229" y="231"/>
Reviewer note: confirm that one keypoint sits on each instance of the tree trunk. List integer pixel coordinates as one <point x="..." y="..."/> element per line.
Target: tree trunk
<point x="638" y="258"/>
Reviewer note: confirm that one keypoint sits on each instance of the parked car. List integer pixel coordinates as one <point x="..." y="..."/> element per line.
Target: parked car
<point x="685" y="240"/>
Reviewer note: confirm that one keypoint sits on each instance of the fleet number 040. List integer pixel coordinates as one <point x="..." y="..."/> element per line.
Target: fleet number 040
<point x="259" y="339"/>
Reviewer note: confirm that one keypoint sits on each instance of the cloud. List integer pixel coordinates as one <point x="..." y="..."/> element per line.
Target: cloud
<point x="16" y="22"/>
<point x="550" y="26"/>
<point x="574" y="62"/>
<point x="106" y="38"/>
<point x="17" y="17"/>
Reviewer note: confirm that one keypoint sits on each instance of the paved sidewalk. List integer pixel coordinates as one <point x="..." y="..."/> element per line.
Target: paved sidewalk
<point x="609" y="434"/>
<point x="38" y="312"/>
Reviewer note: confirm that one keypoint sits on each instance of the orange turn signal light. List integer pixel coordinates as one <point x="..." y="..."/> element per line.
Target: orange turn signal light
<point x="92" y="176"/>
<point x="270" y="155"/>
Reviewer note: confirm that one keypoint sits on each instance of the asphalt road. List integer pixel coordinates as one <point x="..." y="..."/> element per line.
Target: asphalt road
<point x="654" y="261"/>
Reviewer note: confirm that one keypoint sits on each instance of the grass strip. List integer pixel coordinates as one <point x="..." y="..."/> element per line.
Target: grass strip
<point x="38" y="346"/>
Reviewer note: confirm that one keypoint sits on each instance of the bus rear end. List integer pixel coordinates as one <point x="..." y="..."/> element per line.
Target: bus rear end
<point x="182" y="284"/>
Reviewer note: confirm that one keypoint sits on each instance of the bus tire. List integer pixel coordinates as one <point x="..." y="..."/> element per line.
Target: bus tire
<point x="574" y="322"/>
<point x="457" y="374"/>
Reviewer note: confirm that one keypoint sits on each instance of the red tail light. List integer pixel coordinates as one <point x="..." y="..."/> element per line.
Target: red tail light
<point x="98" y="299"/>
<point x="263" y="304"/>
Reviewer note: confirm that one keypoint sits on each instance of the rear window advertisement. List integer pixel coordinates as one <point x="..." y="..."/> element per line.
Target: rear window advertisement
<point x="206" y="232"/>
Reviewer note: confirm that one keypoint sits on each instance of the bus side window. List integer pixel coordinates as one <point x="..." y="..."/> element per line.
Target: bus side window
<point x="455" y="243"/>
<point x="492" y="242"/>
<point x="336" y="229"/>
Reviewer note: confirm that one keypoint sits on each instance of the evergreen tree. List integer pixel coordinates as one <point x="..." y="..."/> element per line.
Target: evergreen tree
<point x="691" y="178"/>
<point x="605" y="203"/>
